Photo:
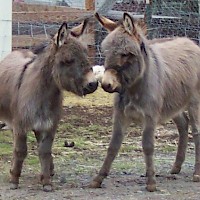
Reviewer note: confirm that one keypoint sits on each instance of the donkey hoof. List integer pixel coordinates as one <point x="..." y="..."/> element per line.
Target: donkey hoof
<point x="151" y="188"/>
<point x="47" y="188"/>
<point x="13" y="186"/>
<point x="175" y="170"/>
<point x="95" y="184"/>
<point x="196" y="178"/>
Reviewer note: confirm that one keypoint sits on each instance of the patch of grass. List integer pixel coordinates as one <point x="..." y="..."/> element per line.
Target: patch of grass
<point x="6" y="142"/>
<point x="167" y="148"/>
<point x="122" y="166"/>
<point x="98" y="98"/>
<point x="65" y="128"/>
<point x="133" y="164"/>
<point x="32" y="160"/>
<point x="31" y="137"/>
<point x="6" y="149"/>
<point x="6" y="136"/>
<point x="128" y="147"/>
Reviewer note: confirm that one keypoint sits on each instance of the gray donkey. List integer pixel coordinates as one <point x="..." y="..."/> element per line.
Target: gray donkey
<point x="31" y="93"/>
<point x="154" y="82"/>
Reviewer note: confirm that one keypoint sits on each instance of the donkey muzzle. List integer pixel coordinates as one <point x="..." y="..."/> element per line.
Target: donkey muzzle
<point x="90" y="87"/>
<point x="110" y="81"/>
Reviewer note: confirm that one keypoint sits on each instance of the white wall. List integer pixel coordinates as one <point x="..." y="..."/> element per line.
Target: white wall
<point x="5" y="27"/>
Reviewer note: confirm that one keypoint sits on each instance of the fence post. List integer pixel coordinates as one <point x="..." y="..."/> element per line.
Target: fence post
<point x="90" y="6"/>
<point x="5" y="27"/>
<point x="148" y="17"/>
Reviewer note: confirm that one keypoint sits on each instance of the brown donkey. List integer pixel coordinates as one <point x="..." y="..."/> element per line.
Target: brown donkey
<point x="31" y="94"/>
<point x="154" y="81"/>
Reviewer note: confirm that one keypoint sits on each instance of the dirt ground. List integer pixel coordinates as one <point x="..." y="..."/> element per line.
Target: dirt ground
<point x="90" y="129"/>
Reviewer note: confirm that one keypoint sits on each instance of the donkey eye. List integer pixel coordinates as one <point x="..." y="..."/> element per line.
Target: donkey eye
<point x="69" y="62"/>
<point x="123" y="55"/>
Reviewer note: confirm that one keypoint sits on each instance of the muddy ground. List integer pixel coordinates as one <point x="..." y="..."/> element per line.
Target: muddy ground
<point x="90" y="128"/>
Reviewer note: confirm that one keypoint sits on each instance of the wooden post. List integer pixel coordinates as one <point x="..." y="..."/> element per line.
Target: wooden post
<point x="90" y="6"/>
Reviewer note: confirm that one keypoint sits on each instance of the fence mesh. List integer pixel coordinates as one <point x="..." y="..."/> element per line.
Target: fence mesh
<point x="174" y="18"/>
<point x="34" y="21"/>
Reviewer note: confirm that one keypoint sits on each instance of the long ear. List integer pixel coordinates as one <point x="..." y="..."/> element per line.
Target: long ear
<point x="129" y="24"/>
<point x="62" y="34"/>
<point x="80" y="29"/>
<point x="106" y="23"/>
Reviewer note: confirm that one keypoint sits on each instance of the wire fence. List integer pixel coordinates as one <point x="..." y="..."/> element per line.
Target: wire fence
<point x="34" y="21"/>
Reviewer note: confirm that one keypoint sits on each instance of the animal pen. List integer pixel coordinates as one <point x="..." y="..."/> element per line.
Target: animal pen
<point x="34" y="21"/>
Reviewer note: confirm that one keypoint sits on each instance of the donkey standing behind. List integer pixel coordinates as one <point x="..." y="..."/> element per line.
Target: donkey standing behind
<point x="31" y="94"/>
<point x="154" y="82"/>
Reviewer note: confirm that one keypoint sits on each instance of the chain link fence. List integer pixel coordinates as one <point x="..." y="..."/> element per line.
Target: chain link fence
<point x="34" y="21"/>
<point x="174" y="18"/>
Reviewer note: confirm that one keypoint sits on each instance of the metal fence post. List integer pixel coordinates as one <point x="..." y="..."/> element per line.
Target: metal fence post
<point x="148" y="17"/>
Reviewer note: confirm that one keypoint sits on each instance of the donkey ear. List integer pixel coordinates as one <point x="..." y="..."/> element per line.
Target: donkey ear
<point x="106" y="23"/>
<point x="129" y="24"/>
<point x="80" y="29"/>
<point x="62" y="34"/>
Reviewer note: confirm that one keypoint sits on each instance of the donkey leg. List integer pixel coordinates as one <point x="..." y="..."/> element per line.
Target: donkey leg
<point x="19" y="154"/>
<point x="194" y="120"/>
<point x="44" y="149"/>
<point x="181" y="122"/>
<point x="38" y="137"/>
<point x="148" y="149"/>
<point x="119" y="128"/>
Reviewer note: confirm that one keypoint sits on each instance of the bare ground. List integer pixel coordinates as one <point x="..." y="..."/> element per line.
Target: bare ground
<point x="90" y="129"/>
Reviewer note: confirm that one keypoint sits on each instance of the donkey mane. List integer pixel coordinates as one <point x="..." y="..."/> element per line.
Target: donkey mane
<point x="23" y="72"/>
<point x="38" y="49"/>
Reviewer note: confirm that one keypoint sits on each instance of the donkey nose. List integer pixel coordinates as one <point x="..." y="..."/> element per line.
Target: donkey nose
<point x="92" y="86"/>
<point x="107" y="87"/>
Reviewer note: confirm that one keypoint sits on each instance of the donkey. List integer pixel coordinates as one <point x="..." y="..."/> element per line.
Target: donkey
<point x="31" y="94"/>
<point x="154" y="82"/>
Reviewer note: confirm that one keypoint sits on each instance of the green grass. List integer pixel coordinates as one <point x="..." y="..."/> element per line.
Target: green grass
<point x="5" y="143"/>
<point x="167" y="148"/>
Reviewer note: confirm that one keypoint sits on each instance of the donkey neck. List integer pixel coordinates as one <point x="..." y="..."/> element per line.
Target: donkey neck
<point x="138" y="91"/>
<point x="135" y="92"/>
<point x="40" y="73"/>
<point x="45" y="61"/>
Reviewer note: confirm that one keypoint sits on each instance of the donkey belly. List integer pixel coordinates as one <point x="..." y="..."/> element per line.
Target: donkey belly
<point x="5" y="112"/>
<point x="173" y="107"/>
<point x="10" y="69"/>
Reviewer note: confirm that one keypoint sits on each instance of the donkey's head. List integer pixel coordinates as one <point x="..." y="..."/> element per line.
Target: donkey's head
<point x="125" y="52"/>
<point x="71" y="69"/>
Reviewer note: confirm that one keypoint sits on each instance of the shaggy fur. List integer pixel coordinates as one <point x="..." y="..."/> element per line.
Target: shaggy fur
<point x="155" y="81"/>
<point x="31" y="95"/>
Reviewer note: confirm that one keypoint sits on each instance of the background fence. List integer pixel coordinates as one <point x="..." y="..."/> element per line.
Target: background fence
<point x="34" y="21"/>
